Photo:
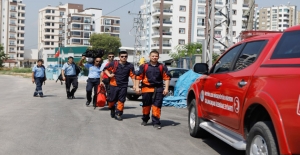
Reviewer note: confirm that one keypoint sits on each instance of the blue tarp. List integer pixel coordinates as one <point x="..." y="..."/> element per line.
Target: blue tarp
<point x="181" y="89"/>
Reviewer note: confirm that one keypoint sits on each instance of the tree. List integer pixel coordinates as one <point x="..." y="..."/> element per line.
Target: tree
<point x="106" y="42"/>
<point x="187" y="50"/>
<point x="3" y="56"/>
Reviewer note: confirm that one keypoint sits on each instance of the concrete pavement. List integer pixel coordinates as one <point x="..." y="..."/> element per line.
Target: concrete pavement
<point x="55" y="125"/>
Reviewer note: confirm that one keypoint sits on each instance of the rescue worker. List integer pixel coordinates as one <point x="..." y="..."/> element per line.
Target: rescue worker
<point x="110" y="58"/>
<point x="68" y="73"/>
<point x="38" y="77"/>
<point x="93" y="79"/>
<point x="118" y="72"/>
<point x="152" y="75"/>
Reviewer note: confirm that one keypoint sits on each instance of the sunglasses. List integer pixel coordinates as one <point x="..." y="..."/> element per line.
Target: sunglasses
<point x="111" y="56"/>
<point x="97" y="61"/>
<point x="123" y="56"/>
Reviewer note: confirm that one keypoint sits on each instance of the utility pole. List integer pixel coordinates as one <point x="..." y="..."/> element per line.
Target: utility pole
<point x="211" y="24"/>
<point x="250" y="15"/>
<point x="138" y="25"/>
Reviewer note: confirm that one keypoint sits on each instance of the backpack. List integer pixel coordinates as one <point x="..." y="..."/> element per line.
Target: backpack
<point x="44" y="79"/>
<point x="60" y="78"/>
<point x="161" y="68"/>
<point x="116" y="63"/>
<point x="77" y="69"/>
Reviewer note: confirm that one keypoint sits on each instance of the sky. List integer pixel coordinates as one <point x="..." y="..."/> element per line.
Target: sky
<point x="107" y="6"/>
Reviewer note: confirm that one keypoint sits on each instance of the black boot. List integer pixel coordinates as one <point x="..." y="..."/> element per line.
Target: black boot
<point x="112" y="112"/>
<point x="72" y="93"/>
<point x="68" y="94"/>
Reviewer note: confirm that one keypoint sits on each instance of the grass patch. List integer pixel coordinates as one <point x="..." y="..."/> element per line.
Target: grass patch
<point x="24" y="72"/>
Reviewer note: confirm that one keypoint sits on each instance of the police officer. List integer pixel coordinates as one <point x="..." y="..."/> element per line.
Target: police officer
<point x="38" y="77"/>
<point x="93" y="79"/>
<point x="68" y="72"/>
<point x="152" y="78"/>
<point x="118" y="72"/>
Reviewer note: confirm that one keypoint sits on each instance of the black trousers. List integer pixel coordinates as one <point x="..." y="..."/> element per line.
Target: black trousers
<point x="92" y="83"/>
<point x="71" y="80"/>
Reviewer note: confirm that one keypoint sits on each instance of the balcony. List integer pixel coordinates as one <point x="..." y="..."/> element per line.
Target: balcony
<point x="202" y="1"/>
<point x="219" y="3"/>
<point x="13" y="17"/>
<point x="13" y="10"/>
<point x="115" y="31"/>
<point x="86" y="36"/>
<point x="167" y="33"/>
<point x="246" y="5"/>
<point x="12" y="31"/>
<point x="12" y="51"/>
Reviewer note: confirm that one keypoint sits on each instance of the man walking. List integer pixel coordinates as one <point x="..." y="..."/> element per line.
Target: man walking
<point x="68" y="73"/>
<point x="152" y="75"/>
<point x="93" y="79"/>
<point x="118" y="72"/>
<point x="104" y="77"/>
<point x="38" y="77"/>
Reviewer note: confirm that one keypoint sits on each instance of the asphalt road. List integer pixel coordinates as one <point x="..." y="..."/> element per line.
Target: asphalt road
<point x="55" y="125"/>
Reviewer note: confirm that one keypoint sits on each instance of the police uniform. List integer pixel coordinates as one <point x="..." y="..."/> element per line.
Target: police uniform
<point x="39" y="77"/>
<point x="92" y="82"/>
<point x="118" y="86"/>
<point x="152" y="90"/>
<point x="71" y="78"/>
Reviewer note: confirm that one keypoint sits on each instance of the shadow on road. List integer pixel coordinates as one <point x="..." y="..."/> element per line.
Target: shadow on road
<point x="168" y="123"/>
<point x="50" y="96"/>
<point x="78" y="98"/>
<point x="221" y="147"/>
<point x="106" y="108"/>
<point x="129" y="116"/>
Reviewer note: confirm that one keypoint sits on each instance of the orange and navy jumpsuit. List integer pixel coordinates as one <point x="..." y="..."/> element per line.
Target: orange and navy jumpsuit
<point x="118" y="84"/>
<point x="152" y="90"/>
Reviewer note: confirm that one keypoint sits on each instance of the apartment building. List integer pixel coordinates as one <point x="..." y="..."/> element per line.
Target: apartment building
<point x="72" y="25"/>
<point x="199" y="14"/>
<point x="166" y="24"/>
<point x="277" y="18"/>
<point x="12" y="30"/>
<point x="110" y="25"/>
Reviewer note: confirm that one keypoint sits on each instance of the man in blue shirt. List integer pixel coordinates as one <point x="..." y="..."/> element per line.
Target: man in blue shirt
<point x="68" y="73"/>
<point x="38" y="77"/>
<point x="93" y="79"/>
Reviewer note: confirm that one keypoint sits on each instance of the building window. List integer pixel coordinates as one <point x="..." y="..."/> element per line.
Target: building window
<point x="201" y="10"/>
<point x="182" y="19"/>
<point x="200" y="22"/>
<point x="200" y="32"/>
<point x="75" y="18"/>
<point x="76" y="40"/>
<point x="181" y="42"/>
<point x="48" y="11"/>
<point x="182" y="8"/>
<point x="233" y="33"/>
<point x="61" y="14"/>
<point x="75" y="33"/>
<point x="234" y="23"/>
<point x="234" y="12"/>
<point x="181" y="30"/>
<point x="77" y="26"/>
<point x="107" y="22"/>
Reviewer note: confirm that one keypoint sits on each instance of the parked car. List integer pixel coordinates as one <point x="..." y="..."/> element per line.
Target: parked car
<point x="250" y="98"/>
<point x="175" y="73"/>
